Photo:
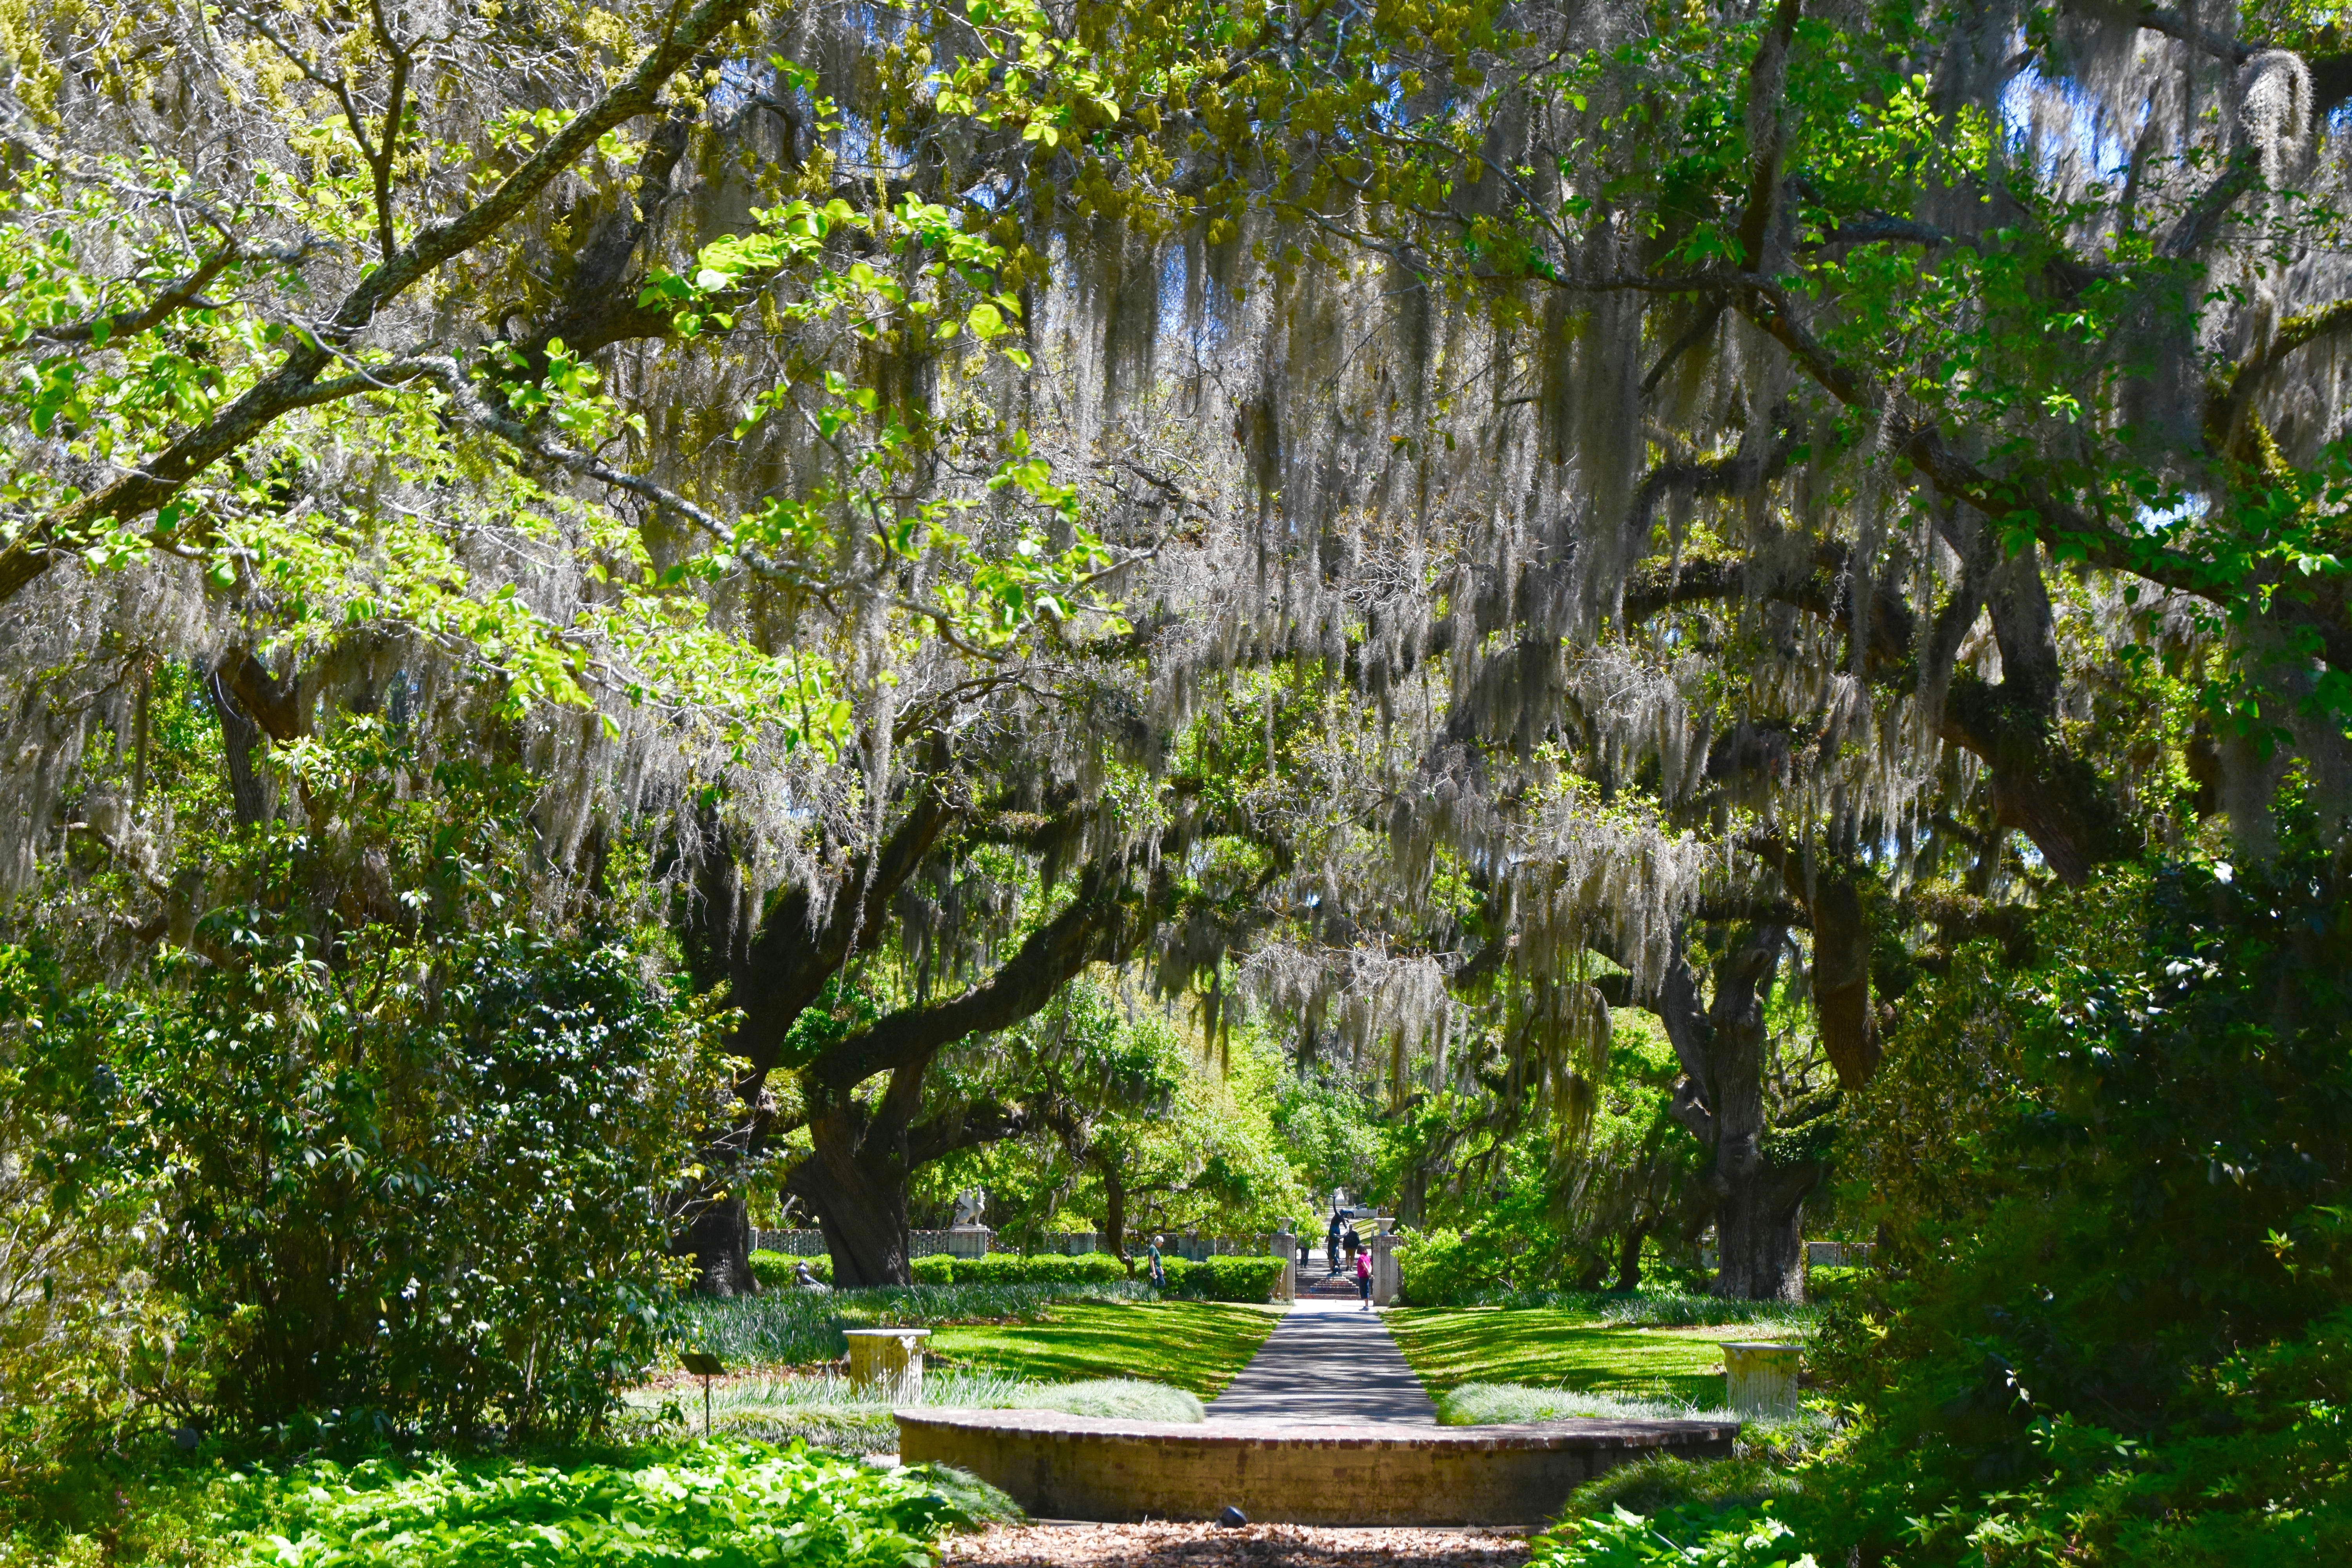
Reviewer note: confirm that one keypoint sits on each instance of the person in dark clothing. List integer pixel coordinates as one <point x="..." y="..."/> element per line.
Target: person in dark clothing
<point x="1354" y="1244"/>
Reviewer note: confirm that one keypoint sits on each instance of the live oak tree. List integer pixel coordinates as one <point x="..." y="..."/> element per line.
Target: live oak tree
<point x="1665" y="485"/>
<point x="558" y="386"/>
<point x="1903" y="444"/>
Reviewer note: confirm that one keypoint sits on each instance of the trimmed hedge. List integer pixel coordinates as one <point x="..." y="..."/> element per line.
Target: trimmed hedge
<point x="1243" y="1278"/>
<point x="1233" y="1278"/>
<point x="773" y="1270"/>
<point x="1013" y="1268"/>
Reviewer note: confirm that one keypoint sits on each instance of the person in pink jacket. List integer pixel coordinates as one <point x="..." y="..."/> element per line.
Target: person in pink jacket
<point x="1364" y="1279"/>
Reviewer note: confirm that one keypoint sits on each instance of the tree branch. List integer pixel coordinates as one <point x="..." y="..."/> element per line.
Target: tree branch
<point x="2226" y="405"/>
<point x="963" y="1127"/>
<point x="25" y="560"/>
<point x="2173" y="24"/>
<point x="1094" y="926"/>
<point x="778" y="971"/>
<point x="123" y="325"/>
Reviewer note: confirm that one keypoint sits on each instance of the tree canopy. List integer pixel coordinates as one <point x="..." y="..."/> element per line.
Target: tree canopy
<point x="1414" y="538"/>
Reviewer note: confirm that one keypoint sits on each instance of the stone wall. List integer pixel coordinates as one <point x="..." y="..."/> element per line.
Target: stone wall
<point x="1069" y="1467"/>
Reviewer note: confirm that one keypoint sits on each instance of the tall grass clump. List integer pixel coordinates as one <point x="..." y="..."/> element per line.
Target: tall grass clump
<point x="1500" y="1404"/>
<point x="1781" y="1439"/>
<point x="798" y="1328"/>
<point x="1664" y="1310"/>
<point x="830" y="1412"/>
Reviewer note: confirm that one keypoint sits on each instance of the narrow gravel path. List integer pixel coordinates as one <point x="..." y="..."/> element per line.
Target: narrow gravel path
<point x="1326" y="1362"/>
<point x="1252" y="1546"/>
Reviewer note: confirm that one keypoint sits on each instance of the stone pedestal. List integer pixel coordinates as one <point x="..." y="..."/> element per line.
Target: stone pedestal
<point x="889" y="1359"/>
<point x="1388" y="1274"/>
<point x="967" y="1240"/>
<point x="1762" y="1379"/>
<point x="1284" y="1245"/>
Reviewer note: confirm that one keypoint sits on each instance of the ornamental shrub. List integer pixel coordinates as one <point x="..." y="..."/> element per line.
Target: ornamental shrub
<point x="1440" y="1268"/>
<point x="2119" y="1326"/>
<point x="426" y="1192"/>
<point x="404" y="1136"/>
<point x="1016" y="1269"/>
<point x="778" y="1271"/>
<point x="74" y="1310"/>
<point x="1237" y="1278"/>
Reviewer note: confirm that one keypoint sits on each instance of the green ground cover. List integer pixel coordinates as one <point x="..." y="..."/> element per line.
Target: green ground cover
<point x="663" y="1505"/>
<point x="1558" y="1348"/>
<point x="1196" y="1346"/>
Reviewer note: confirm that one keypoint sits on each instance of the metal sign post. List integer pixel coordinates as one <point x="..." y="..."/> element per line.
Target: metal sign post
<point x="705" y="1366"/>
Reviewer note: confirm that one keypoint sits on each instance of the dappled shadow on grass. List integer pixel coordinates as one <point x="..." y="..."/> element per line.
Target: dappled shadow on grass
<point x="1196" y="1346"/>
<point x="1552" y="1348"/>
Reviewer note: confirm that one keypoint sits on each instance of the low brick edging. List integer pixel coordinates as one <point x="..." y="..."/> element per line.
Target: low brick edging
<point x="1278" y="1472"/>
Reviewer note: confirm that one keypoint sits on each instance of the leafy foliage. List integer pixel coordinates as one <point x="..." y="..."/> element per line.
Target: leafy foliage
<point x="414" y="1170"/>
<point x="1013" y="1268"/>
<point x="721" y="1504"/>
<point x="1700" y="1538"/>
<point x="74" y="1307"/>
<point x="1227" y="1278"/>
<point x="2111" y="1338"/>
<point x="774" y="1271"/>
<point x="1441" y="1269"/>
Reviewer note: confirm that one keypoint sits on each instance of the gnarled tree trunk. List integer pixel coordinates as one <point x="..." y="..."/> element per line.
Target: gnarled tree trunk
<point x="1758" y="1225"/>
<point x="863" y="1153"/>
<point x="1759" y="1202"/>
<point x="1629" y="1256"/>
<point x="1114" y="1208"/>
<point x="855" y="1180"/>
<point x="861" y="1205"/>
<point x="719" y="1240"/>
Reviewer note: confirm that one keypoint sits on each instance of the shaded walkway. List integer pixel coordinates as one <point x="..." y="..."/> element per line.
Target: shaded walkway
<point x="1326" y="1362"/>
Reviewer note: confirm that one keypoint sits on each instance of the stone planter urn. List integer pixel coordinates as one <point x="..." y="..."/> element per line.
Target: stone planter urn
<point x="890" y="1360"/>
<point x="1762" y="1379"/>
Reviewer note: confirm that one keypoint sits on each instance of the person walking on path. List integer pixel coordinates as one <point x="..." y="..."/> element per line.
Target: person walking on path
<point x="1355" y="1244"/>
<point x="1363" y="1278"/>
<point x="1158" y="1270"/>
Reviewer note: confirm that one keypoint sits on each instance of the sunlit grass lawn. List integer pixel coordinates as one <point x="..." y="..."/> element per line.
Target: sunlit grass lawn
<point x="1197" y="1346"/>
<point x="1548" y="1348"/>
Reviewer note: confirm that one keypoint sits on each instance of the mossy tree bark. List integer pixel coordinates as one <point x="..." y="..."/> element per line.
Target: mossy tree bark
<point x="867" y="1145"/>
<point x="1722" y="1042"/>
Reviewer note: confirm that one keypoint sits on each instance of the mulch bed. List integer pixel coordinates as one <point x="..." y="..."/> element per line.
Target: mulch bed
<point x="1257" y="1545"/>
